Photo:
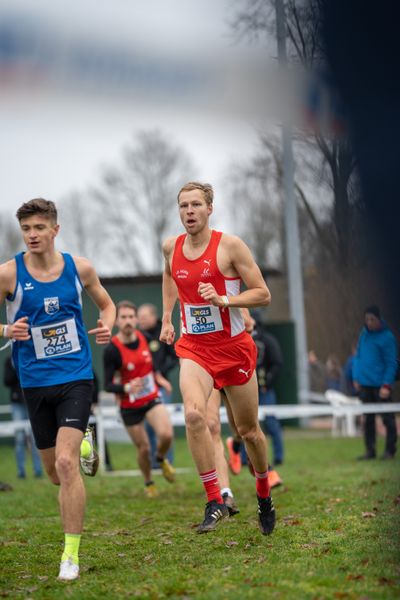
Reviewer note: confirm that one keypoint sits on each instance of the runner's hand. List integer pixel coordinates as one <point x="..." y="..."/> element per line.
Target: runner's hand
<point x="102" y="333"/>
<point x="134" y="386"/>
<point x="167" y="334"/>
<point x="384" y="392"/>
<point x="163" y="382"/>
<point x="19" y="330"/>
<point x="207" y="292"/>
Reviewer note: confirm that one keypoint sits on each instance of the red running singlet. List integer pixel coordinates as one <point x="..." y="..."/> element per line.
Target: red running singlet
<point x="136" y="363"/>
<point x="202" y="322"/>
<point x="213" y="337"/>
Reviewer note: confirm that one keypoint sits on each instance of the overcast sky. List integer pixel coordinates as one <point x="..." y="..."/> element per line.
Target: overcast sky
<point x="78" y="78"/>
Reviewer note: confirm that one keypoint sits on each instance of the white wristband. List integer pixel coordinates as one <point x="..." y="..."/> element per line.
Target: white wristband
<point x="5" y="330"/>
<point x="225" y="300"/>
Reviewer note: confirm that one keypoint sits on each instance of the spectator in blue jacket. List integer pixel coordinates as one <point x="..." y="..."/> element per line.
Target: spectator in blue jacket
<point x="374" y="373"/>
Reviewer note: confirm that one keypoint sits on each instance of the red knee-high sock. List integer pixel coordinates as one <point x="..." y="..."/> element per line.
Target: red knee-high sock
<point x="262" y="484"/>
<point x="211" y="485"/>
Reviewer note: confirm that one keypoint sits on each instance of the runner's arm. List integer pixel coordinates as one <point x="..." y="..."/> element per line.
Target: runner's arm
<point x="19" y="330"/>
<point x="5" y="287"/>
<point x="170" y="294"/>
<point x="257" y="293"/>
<point x="100" y="297"/>
<point x="249" y="322"/>
<point x="112" y="362"/>
<point x="161" y="381"/>
<point x="242" y="261"/>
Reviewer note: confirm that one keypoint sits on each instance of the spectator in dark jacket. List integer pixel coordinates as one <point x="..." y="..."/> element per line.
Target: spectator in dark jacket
<point x="317" y="373"/>
<point x="164" y="357"/>
<point x="374" y="373"/>
<point x="269" y="364"/>
<point x="20" y="413"/>
<point x="334" y="373"/>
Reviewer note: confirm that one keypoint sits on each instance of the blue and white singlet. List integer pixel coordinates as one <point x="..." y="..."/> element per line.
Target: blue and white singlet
<point x="58" y="351"/>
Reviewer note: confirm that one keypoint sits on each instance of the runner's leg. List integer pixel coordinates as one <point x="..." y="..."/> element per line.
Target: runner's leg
<point x="214" y="424"/>
<point x="196" y="386"/>
<point x="159" y="420"/>
<point x="139" y="437"/>
<point x="243" y="401"/>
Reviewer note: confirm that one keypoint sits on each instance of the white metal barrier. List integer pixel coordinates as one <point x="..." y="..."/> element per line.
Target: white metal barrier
<point x="343" y="422"/>
<point x="107" y="416"/>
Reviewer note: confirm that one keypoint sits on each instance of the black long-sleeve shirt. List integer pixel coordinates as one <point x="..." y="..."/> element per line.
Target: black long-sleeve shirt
<point x="112" y="362"/>
<point x="269" y="358"/>
<point x="163" y="355"/>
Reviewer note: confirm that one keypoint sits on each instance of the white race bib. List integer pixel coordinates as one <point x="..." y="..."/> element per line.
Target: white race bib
<point x="56" y="339"/>
<point x="149" y="386"/>
<point x="203" y="318"/>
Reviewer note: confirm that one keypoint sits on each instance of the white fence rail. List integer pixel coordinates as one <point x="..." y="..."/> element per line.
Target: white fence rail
<point x="344" y="410"/>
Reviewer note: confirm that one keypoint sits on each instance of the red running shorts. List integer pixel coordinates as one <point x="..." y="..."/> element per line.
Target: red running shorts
<point x="232" y="363"/>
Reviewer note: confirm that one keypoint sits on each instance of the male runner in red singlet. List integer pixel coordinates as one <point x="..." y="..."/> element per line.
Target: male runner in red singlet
<point x="129" y="358"/>
<point x="205" y="268"/>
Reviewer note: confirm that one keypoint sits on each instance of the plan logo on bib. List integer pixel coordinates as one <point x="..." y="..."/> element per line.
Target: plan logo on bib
<point x="51" y="305"/>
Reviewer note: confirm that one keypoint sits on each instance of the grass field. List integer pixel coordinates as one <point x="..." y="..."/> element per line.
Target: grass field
<point x="337" y="533"/>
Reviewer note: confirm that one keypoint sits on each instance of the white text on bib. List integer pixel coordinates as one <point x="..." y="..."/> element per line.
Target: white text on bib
<point x="149" y="386"/>
<point x="56" y="339"/>
<point x="203" y="318"/>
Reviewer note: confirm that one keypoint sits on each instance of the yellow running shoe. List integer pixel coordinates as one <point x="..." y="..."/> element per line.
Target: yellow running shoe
<point x="151" y="491"/>
<point x="168" y="471"/>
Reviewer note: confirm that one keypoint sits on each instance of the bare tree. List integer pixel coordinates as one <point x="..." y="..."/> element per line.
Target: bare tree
<point x="256" y="187"/>
<point x="337" y="162"/>
<point x="138" y="199"/>
<point x="81" y="228"/>
<point x="256" y="210"/>
<point x="339" y="267"/>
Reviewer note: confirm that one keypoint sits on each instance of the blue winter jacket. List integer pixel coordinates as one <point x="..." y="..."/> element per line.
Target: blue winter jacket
<point x="375" y="362"/>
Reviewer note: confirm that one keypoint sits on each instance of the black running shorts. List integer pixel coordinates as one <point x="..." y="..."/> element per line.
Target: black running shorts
<point x="134" y="416"/>
<point x="55" y="406"/>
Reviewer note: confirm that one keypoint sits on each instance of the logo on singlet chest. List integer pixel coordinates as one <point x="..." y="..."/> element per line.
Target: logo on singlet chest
<point x="52" y="305"/>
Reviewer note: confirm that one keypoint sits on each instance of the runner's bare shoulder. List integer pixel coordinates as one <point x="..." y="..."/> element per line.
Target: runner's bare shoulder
<point x="233" y="246"/>
<point x="84" y="267"/>
<point x="8" y="277"/>
<point x="169" y="245"/>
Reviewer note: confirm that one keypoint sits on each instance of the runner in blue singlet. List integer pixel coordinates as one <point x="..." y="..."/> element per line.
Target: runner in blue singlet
<point x="42" y="289"/>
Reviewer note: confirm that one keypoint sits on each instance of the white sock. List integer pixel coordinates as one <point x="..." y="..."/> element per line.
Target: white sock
<point x="227" y="491"/>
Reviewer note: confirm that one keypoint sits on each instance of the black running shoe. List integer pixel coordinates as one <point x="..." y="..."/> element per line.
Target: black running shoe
<point x="367" y="456"/>
<point x="266" y="515"/>
<point x="214" y="512"/>
<point x="230" y="503"/>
